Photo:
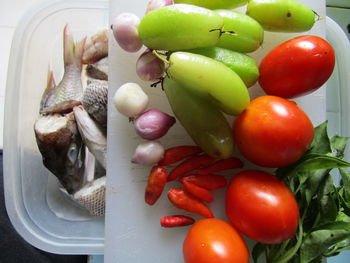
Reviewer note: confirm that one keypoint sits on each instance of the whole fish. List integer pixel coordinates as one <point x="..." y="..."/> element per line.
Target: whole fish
<point x="95" y="101"/>
<point x="62" y="150"/>
<point x="92" y="134"/>
<point x="98" y="70"/>
<point x="70" y="89"/>
<point x="96" y="47"/>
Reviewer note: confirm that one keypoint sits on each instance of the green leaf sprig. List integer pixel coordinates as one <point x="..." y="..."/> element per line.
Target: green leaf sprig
<point x="321" y="187"/>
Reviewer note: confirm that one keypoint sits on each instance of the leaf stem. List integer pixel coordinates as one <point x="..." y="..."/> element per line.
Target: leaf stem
<point x="291" y="252"/>
<point x="281" y="250"/>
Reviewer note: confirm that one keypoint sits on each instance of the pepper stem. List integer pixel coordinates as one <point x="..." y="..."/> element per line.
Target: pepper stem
<point x="318" y="17"/>
<point x="160" y="57"/>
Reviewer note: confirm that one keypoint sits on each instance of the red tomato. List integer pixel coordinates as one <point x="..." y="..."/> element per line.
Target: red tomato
<point x="214" y="241"/>
<point x="261" y="207"/>
<point x="297" y="67"/>
<point x="273" y="132"/>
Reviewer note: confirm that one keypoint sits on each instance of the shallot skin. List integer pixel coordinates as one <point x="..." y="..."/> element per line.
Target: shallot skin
<point x="153" y="124"/>
<point x="125" y="32"/>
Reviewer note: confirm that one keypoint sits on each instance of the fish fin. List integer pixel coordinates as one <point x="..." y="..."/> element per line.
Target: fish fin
<point x="91" y="133"/>
<point x="49" y="91"/>
<point x="68" y="46"/>
<point x="79" y="49"/>
<point x="61" y="108"/>
<point x="73" y="51"/>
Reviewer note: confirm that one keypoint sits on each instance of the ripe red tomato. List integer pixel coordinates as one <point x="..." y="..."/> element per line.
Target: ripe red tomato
<point x="261" y="207"/>
<point x="297" y="67"/>
<point x="273" y="132"/>
<point x="214" y="241"/>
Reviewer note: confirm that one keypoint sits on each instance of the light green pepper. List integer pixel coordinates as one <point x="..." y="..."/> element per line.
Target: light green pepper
<point x="244" y="65"/>
<point x="205" y="124"/>
<point x="248" y="33"/>
<point x="281" y="15"/>
<point x="210" y="79"/>
<point x="215" y="4"/>
<point x="180" y="27"/>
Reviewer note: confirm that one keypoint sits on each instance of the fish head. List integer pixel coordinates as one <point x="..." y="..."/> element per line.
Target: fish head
<point x="62" y="149"/>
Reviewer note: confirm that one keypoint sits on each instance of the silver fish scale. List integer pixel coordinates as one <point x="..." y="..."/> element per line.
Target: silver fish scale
<point x="95" y="101"/>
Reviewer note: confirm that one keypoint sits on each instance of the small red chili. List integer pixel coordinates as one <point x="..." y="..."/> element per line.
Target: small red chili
<point x="176" y="221"/>
<point x="190" y="165"/>
<point x="185" y="201"/>
<point x="198" y="191"/>
<point x="207" y="181"/>
<point x="156" y="183"/>
<point x="222" y="165"/>
<point x="178" y="153"/>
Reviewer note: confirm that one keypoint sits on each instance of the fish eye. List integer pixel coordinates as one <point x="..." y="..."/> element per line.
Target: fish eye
<point x="72" y="153"/>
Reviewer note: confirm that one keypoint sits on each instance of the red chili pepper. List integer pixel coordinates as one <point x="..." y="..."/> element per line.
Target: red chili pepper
<point x="156" y="183"/>
<point x="198" y="191"/>
<point x="176" y="220"/>
<point x="189" y="165"/>
<point x="178" y="153"/>
<point x="185" y="201"/>
<point x="207" y="181"/>
<point x="222" y="165"/>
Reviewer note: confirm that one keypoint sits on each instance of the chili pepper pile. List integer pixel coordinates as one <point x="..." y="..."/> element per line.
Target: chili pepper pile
<point x="196" y="172"/>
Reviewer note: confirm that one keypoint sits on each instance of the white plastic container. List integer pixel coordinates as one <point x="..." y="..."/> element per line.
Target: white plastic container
<point x="38" y="211"/>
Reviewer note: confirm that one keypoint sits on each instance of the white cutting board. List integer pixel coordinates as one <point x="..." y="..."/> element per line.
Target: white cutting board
<point x="133" y="233"/>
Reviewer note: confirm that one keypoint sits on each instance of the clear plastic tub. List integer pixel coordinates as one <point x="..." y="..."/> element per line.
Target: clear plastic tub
<point x="39" y="213"/>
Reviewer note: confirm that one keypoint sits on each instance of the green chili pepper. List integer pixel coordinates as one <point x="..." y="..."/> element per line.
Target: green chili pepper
<point x="244" y="65"/>
<point x="179" y="27"/>
<point x="281" y="15"/>
<point x="210" y="79"/>
<point x="205" y="124"/>
<point x="248" y="34"/>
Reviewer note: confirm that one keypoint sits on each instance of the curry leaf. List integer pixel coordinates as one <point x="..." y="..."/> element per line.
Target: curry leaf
<point x="314" y="161"/>
<point x="327" y="199"/>
<point x="338" y="145"/>
<point x="345" y="177"/>
<point x="321" y="142"/>
<point x="311" y="162"/>
<point x="257" y="251"/>
<point x="318" y="241"/>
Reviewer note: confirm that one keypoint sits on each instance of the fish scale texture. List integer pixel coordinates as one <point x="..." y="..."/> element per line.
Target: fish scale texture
<point x="95" y="101"/>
